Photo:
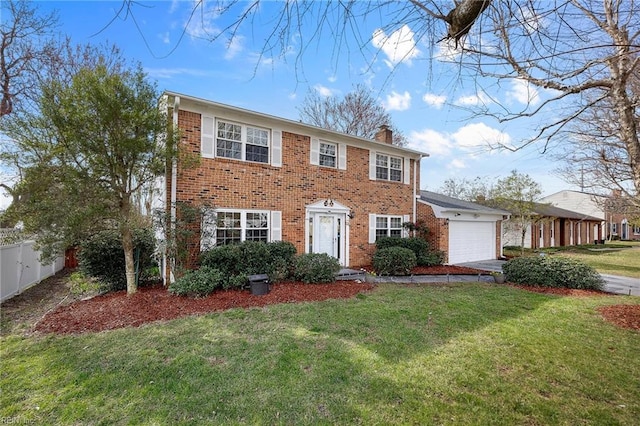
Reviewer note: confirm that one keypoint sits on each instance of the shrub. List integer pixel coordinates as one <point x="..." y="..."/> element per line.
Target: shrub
<point x="550" y="271"/>
<point x="102" y="257"/>
<point x="315" y="268"/>
<point x="281" y="258"/>
<point x="419" y="246"/>
<point x="198" y="283"/>
<point x="394" y="261"/>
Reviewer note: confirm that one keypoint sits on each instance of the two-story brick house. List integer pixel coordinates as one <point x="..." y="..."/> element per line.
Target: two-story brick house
<point x="270" y="179"/>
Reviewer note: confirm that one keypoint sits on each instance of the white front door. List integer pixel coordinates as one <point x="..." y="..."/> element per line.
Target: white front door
<point x="327" y="235"/>
<point x="328" y="232"/>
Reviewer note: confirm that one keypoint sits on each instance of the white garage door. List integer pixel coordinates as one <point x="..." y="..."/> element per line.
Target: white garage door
<point x="471" y="241"/>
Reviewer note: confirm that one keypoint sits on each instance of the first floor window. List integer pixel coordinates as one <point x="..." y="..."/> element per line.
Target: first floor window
<point x="636" y="229"/>
<point x="233" y="227"/>
<point x="614" y="228"/>
<point x="388" y="226"/>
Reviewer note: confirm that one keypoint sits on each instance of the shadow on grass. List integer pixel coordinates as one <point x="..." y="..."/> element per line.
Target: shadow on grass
<point x="402" y="354"/>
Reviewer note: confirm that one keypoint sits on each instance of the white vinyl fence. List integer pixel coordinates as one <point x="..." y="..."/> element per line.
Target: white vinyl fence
<point x="20" y="268"/>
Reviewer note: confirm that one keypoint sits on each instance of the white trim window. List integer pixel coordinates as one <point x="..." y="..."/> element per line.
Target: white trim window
<point x="328" y="154"/>
<point x="242" y="142"/>
<point x="636" y="229"/>
<point x="231" y="226"/>
<point x="388" y="226"/>
<point x="388" y="168"/>
<point x="614" y="228"/>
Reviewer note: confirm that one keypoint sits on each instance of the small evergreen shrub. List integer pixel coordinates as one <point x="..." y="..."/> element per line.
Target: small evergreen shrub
<point x="316" y="268"/>
<point x="394" y="261"/>
<point x="419" y="246"/>
<point x="281" y="257"/>
<point x="102" y="257"/>
<point x="251" y="257"/>
<point x="551" y="271"/>
<point x="198" y="283"/>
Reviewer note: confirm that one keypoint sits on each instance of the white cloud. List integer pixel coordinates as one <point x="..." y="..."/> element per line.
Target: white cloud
<point x="523" y="92"/>
<point x="165" y="73"/>
<point x="399" y="46"/>
<point x="433" y="100"/>
<point x="398" y="101"/>
<point x="430" y="141"/>
<point x="324" y="91"/>
<point x="457" y="163"/>
<point x="479" y="136"/>
<point x="479" y="98"/>
<point x="235" y="46"/>
<point x="332" y="78"/>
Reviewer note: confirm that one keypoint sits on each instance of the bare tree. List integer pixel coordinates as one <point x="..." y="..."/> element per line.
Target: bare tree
<point x="476" y="191"/>
<point x="26" y="46"/>
<point x="358" y="113"/>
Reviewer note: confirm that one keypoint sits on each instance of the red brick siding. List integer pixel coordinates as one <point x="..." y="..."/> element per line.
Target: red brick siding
<point x="226" y="183"/>
<point x="438" y="236"/>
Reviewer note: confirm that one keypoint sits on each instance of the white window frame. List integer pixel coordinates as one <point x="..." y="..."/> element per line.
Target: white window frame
<point x="341" y="153"/>
<point x="373" y="226"/>
<point x="210" y="229"/>
<point x="614" y="228"/>
<point x="636" y="229"/>
<point x="325" y="155"/>
<point x="244" y="140"/>
<point x="403" y="169"/>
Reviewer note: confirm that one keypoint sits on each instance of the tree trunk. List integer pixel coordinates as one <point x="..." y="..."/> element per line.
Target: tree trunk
<point x="127" y="244"/>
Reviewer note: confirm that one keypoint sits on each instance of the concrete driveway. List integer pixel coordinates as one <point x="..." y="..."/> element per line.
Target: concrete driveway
<point x="612" y="283"/>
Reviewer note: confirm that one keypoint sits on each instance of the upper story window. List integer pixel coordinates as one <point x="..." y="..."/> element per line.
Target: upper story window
<point x="328" y="154"/>
<point x="388" y="168"/>
<point x="226" y="139"/>
<point x="242" y="142"/>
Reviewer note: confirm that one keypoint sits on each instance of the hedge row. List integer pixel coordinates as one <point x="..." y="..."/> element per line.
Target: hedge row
<point x="551" y="271"/>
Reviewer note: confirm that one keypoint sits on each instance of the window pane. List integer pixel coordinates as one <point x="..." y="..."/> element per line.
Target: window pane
<point x="259" y="154"/>
<point x="256" y="220"/>
<point x="257" y="235"/>
<point x="228" y="220"/>
<point x="395" y="163"/>
<point x="395" y="175"/>
<point x="328" y="149"/>
<point x="382" y="173"/>
<point x="228" y="149"/>
<point x="229" y="131"/>
<point x="382" y="160"/>
<point x="395" y="232"/>
<point x="381" y="222"/>
<point x="396" y="222"/>
<point x="328" y="161"/>
<point x="257" y="136"/>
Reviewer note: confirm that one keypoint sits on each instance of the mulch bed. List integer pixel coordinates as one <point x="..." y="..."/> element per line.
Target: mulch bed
<point x="117" y="310"/>
<point x="626" y="316"/>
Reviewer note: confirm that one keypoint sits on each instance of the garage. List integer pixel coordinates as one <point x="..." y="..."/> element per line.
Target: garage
<point x="464" y="231"/>
<point x="470" y="241"/>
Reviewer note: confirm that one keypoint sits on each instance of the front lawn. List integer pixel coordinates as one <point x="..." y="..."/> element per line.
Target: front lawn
<point x="432" y="354"/>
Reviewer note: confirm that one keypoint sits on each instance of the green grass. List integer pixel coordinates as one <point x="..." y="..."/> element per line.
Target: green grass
<point x="616" y="258"/>
<point x="457" y="354"/>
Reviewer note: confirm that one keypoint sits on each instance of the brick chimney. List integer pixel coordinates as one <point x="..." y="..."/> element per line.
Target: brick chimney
<point x="384" y="134"/>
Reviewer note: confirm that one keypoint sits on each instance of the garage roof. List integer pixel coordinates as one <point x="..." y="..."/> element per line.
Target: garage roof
<point x="450" y="203"/>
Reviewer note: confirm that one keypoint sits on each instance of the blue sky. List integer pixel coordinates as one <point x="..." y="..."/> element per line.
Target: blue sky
<point x="429" y="99"/>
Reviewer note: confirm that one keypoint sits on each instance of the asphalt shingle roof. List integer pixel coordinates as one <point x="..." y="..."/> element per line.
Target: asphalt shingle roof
<point x="447" y="202"/>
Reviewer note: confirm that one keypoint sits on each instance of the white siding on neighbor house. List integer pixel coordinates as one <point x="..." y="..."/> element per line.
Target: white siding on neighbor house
<point x="471" y="241"/>
<point x="511" y="235"/>
<point x="576" y="202"/>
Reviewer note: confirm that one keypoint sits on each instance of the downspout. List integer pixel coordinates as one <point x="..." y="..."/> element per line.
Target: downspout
<point x="174" y="182"/>
<point x="415" y="188"/>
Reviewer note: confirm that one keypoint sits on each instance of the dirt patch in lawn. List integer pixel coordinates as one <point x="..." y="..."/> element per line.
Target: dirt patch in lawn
<point x="626" y="316"/>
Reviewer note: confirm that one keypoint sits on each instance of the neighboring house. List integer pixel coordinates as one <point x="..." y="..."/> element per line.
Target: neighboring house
<point x="269" y="179"/>
<point x="553" y="227"/>
<point x="464" y="231"/>
<point x="615" y="223"/>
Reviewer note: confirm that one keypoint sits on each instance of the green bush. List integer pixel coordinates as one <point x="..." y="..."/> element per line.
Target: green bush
<point x="419" y="246"/>
<point x="198" y="283"/>
<point x="251" y="257"/>
<point x="551" y="271"/>
<point x="102" y="257"/>
<point x="316" y="268"/>
<point x="394" y="261"/>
